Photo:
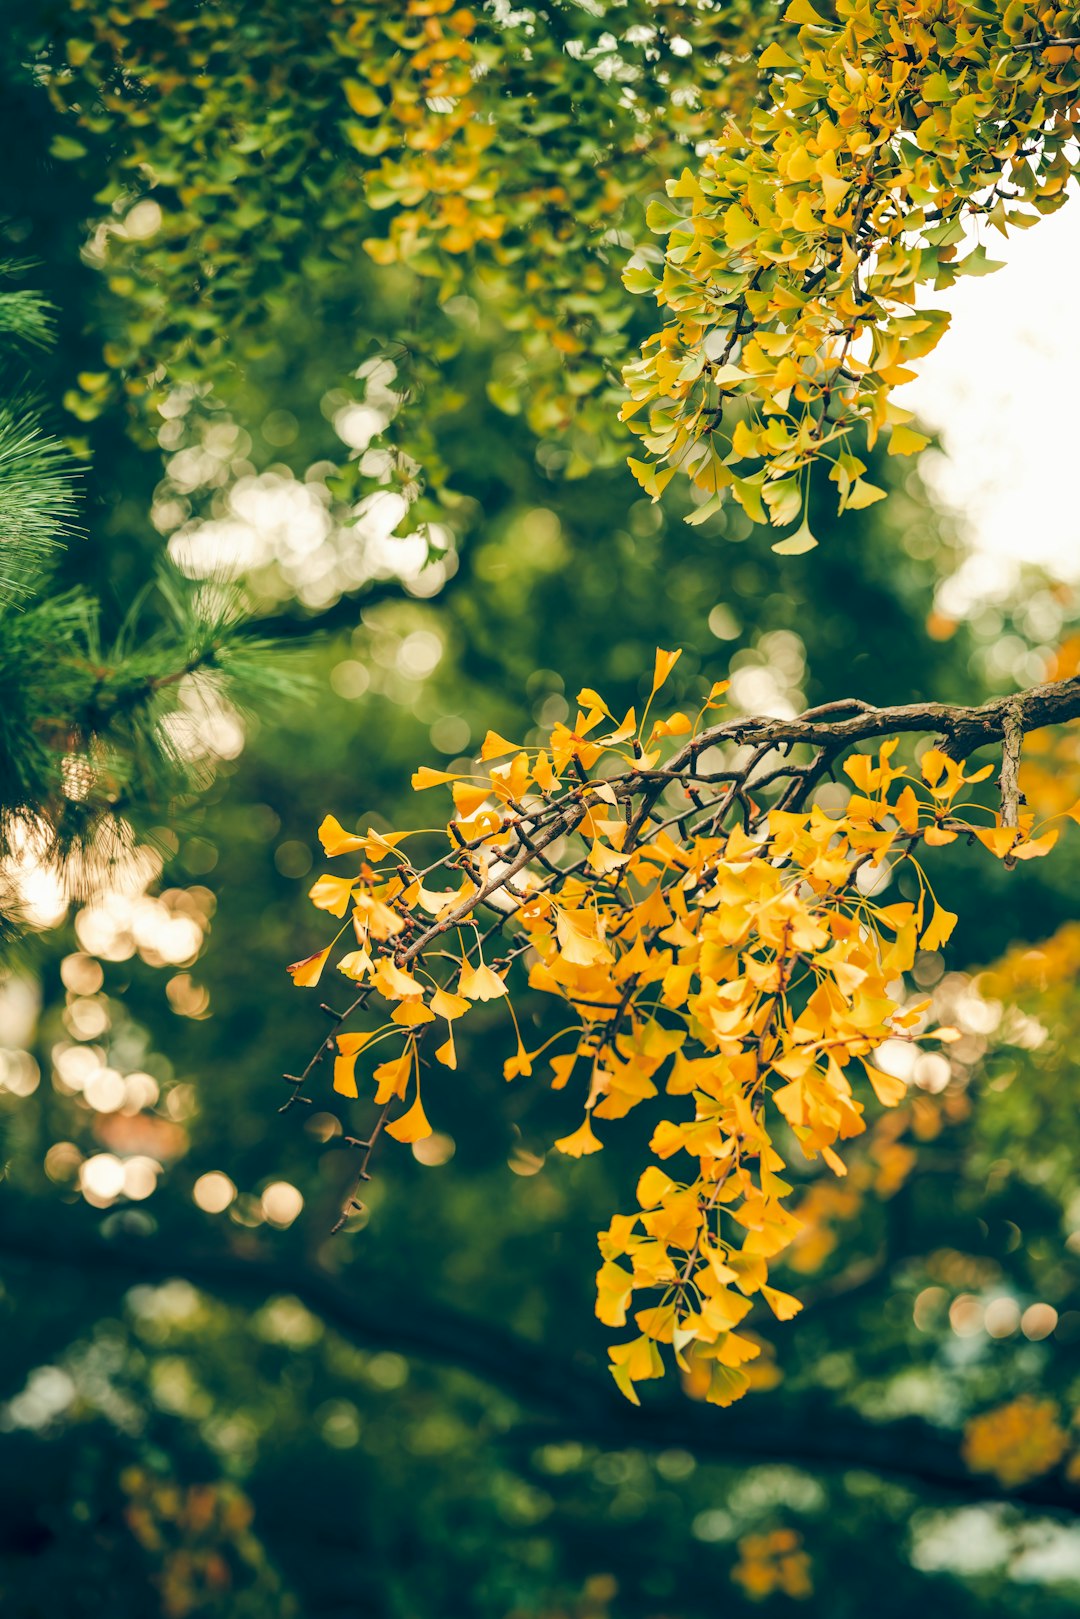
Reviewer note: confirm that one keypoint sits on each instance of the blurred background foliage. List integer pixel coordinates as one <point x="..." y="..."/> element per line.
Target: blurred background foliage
<point x="207" y="1406"/>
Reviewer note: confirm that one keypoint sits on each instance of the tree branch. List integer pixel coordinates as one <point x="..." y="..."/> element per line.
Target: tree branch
<point x="964" y="729"/>
<point x="571" y="1398"/>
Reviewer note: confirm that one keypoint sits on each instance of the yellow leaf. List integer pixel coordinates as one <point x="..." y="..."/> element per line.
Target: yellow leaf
<point x="653" y="1186"/>
<point x="782" y="1305"/>
<point x="614" y="1290"/>
<point x="905" y="441"/>
<point x="604" y="861"/>
<point x="495" y="745"/>
<point x="412" y="1126"/>
<point x="998" y="839"/>
<point x="480" y="983"/>
<point x="306" y="974"/>
<point x="357" y="964"/>
<point x="1036" y="847"/>
<point x="889" y="1090"/>
<point x="575" y="945"/>
<point x="665" y="663"/>
<point x="332" y="894"/>
<point x="363" y="99"/>
<point x="335" y="839"/>
<point x="447" y="1052"/>
<point x="392" y="1078"/>
<point x="801" y="11"/>
<point x="933" y="765"/>
<point x="517" y="1066"/>
<point x="587" y="698"/>
<point x="795" y="544"/>
<point x="940" y="929"/>
<point x="468" y="797"/>
<point x="581" y="1143"/>
<point x="426" y="777"/>
<point x="345" y="1075"/>
<point x="775" y="55"/>
<point x="447" y="1005"/>
<point x="862" y="494"/>
<point x="411" y="1013"/>
<point x="350" y="1044"/>
<point x="393" y="983"/>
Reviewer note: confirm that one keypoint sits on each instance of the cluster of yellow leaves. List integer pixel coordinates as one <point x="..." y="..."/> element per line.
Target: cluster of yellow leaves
<point x="1018" y="1441"/>
<point x="773" y="1562"/>
<point x="797" y="251"/>
<point x="697" y="943"/>
<point x="415" y="112"/>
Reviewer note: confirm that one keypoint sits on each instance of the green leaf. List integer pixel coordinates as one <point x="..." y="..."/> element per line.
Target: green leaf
<point x="66" y="148"/>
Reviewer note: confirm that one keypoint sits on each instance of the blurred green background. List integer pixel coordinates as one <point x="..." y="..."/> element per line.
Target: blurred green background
<point x="208" y="1406"/>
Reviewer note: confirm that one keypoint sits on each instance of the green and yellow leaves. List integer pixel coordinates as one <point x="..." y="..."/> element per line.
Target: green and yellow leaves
<point x="816" y="218"/>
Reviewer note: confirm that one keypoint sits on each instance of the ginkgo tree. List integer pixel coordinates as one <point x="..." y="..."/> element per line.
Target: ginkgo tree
<point x="705" y="920"/>
<point x="828" y="170"/>
<point x="655" y="925"/>
<point x="705" y="923"/>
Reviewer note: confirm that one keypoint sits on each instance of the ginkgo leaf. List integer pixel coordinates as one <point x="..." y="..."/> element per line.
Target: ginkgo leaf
<point x="447" y="1052"/>
<point x="356" y="964"/>
<point x="469" y="798"/>
<point x="392" y="1078"/>
<point x="519" y="1065"/>
<point x="334" y="838"/>
<point x="664" y="664"/>
<point x="426" y="777"/>
<point x="905" y="441"/>
<point x="653" y="1186"/>
<point x="350" y="1044"/>
<point x="345" y="1074"/>
<point x="796" y="544"/>
<point x="480" y="983"/>
<point x="332" y="894"/>
<point x="494" y="745"/>
<point x="411" y="1014"/>
<point x="782" y="1305"/>
<point x="393" y="982"/>
<point x="581" y="1142"/>
<point x="587" y="698"/>
<point x="1035" y="848"/>
<point x="939" y="930"/>
<point x="889" y="1090"/>
<point x="604" y="861"/>
<point x="306" y="973"/>
<point x="576" y="945"/>
<point x="412" y="1126"/>
<point x="449" y="1006"/>
<point x="998" y="839"/>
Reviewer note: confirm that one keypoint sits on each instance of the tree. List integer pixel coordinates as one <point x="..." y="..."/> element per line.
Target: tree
<point x="170" y="1395"/>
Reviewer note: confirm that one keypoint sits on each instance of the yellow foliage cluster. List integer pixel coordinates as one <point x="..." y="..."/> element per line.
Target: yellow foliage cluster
<point x="797" y="251"/>
<point x="414" y="110"/>
<point x="1016" y="1442"/>
<point x="720" y="960"/>
<point x="773" y="1562"/>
